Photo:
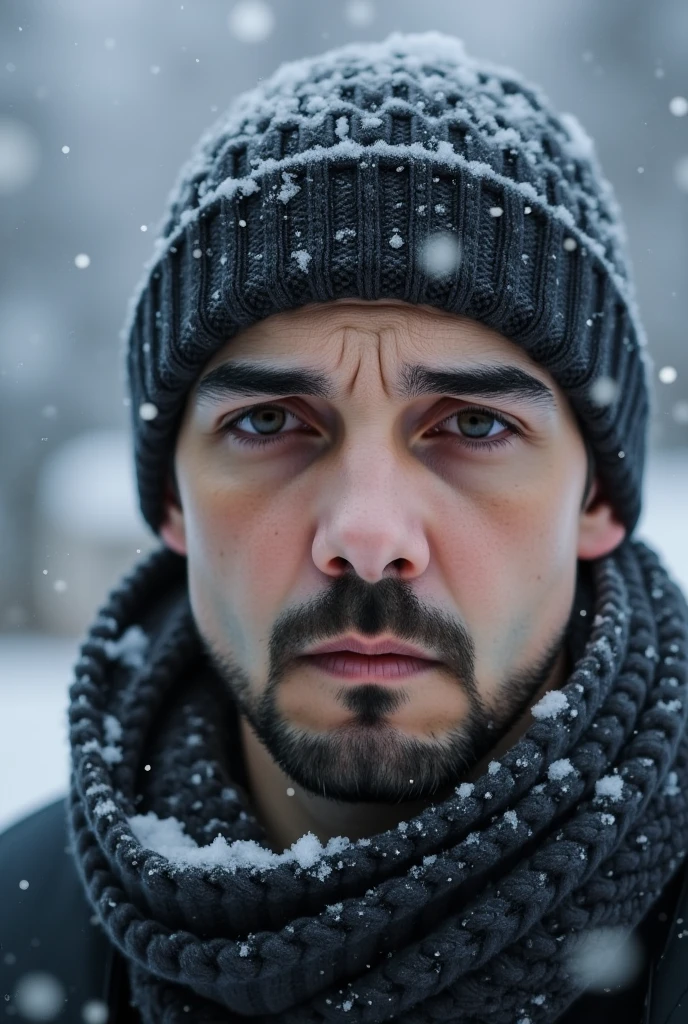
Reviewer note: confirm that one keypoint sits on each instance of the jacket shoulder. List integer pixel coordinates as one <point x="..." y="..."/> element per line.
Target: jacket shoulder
<point x="668" y="995"/>
<point x="45" y="926"/>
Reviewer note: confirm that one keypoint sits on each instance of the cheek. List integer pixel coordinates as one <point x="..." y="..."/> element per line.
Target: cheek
<point x="512" y="561"/>
<point x="243" y="553"/>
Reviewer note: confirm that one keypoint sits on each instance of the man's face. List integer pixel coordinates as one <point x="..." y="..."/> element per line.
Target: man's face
<point x="449" y="518"/>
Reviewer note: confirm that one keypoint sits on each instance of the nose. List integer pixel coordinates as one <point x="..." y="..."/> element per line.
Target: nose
<point x="370" y="519"/>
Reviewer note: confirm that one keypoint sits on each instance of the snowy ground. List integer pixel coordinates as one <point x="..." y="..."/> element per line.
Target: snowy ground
<point x="35" y="670"/>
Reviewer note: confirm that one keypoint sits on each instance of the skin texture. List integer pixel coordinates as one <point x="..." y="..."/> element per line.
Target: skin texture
<point x="373" y="518"/>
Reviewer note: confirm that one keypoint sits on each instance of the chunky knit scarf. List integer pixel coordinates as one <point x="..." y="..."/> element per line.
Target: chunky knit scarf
<point x="468" y="913"/>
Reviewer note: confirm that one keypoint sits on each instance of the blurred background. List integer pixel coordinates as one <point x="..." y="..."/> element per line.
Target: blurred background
<point x="100" y="104"/>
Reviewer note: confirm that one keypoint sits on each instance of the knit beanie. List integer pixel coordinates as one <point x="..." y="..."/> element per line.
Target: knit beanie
<point x="402" y="169"/>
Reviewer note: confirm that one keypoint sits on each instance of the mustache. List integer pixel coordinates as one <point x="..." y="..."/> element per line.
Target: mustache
<point x="388" y="606"/>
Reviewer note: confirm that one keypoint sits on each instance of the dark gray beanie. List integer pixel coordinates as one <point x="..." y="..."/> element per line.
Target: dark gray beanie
<point x="352" y="174"/>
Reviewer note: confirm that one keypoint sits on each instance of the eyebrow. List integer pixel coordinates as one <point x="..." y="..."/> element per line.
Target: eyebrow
<point x="243" y="378"/>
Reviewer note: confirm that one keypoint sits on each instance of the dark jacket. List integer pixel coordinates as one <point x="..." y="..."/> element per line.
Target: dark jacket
<point x="50" y="926"/>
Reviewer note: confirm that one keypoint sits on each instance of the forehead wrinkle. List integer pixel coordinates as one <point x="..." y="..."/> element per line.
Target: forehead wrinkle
<point x="418" y="321"/>
<point x="356" y="333"/>
<point x="420" y="328"/>
<point x="351" y="336"/>
<point x="328" y="333"/>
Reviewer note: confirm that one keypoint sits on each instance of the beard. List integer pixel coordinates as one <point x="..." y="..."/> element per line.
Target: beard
<point x="369" y="759"/>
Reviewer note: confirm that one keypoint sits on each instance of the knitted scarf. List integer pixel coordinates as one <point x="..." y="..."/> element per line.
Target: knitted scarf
<point x="468" y="913"/>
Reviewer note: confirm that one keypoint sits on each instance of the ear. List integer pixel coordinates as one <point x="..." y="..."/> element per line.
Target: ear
<point x="172" y="528"/>
<point x="599" y="531"/>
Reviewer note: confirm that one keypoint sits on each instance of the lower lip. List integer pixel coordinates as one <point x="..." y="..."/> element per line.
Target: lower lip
<point x="364" y="667"/>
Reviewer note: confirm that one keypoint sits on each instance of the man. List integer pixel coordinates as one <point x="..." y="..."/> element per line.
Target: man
<point x="393" y="726"/>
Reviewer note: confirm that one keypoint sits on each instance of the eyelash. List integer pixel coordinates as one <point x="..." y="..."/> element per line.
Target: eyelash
<point x="230" y="428"/>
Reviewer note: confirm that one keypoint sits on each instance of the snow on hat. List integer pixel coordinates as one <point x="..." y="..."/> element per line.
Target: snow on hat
<point x="401" y="169"/>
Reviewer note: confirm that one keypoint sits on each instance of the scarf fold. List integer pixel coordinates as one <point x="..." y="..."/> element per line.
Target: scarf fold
<point x="470" y="913"/>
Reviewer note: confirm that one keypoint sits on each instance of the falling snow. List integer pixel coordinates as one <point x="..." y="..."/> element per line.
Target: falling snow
<point x="667" y="374"/>
<point x="604" y="391"/>
<point x="359" y="13"/>
<point x="148" y="411"/>
<point x="606" y="957"/>
<point x="39" y="996"/>
<point x="94" y="1012"/>
<point x="251" y="21"/>
<point x="440" y="254"/>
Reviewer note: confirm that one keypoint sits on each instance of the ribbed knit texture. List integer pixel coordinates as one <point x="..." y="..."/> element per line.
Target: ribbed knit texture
<point x="330" y="179"/>
<point x="466" y="914"/>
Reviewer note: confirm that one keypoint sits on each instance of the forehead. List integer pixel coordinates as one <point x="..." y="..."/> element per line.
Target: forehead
<point x="399" y="329"/>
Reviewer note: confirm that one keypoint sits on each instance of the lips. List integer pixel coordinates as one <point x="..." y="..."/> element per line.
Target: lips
<point x="353" y="645"/>
<point x="378" y="667"/>
<point x="382" y="660"/>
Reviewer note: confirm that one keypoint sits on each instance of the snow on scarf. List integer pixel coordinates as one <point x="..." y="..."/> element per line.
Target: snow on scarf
<point x="467" y="913"/>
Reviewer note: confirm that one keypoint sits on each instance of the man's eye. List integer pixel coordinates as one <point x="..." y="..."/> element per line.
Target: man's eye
<point x="267" y="421"/>
<point x="476" y="427"/>
<point x="479" y="429"/>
